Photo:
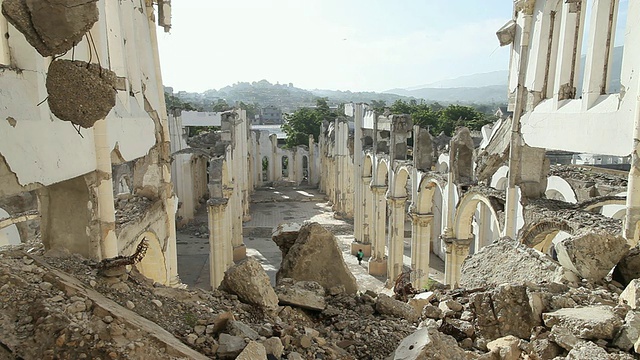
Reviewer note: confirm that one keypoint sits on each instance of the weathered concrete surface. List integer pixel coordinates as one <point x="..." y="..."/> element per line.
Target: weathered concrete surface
<point x="628" y="267"/>
<point x="508" y="261"/>
<point x="79" y="92"/>
<point x="587" y="350"/>
<point x="591" y="255"/>
<point x="248" y="280"/>
<point x="429" y="344"/>
<point x="253" y="351"/>
<point x="315" y="256"/>
<point x="631" y="294"/>
<point x="303" y="294"/>
<point x="630" y="332"/>
<point x="593" y="322"/>
<point x="285" y="236"/>
<point x="506" y="347"/>
<point x="51" y="26"/>
<point x="230" y="346"/>
<point x="389" y="306"/>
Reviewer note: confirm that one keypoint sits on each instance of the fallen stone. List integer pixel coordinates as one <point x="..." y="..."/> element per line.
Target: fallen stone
<point x="545" y="349"/>
<point x="591" y="255"/>
<point x="388" y="306"/>
<point x="431" y="311"/>
<point x="509" y="261"/>
<point x="220" y="323"/>
<point x="273" y="346"/>
<point x="587" y="350"/>
<point x="157" y="302"/>
<point x="628" y="267"/>
<point x="630" y="332"/>
<point x="449" y="307"/>
<point x="294" y="356"/>
<point x="316" y="256"/>
<point x="250" y="282"/>
<point x="230" y="346"/>
<point x="429" y="344"/>
<point x="79" y="92"/>
<point x="506" y="347"/>
<point x="631" y="294"/>
<point x="303" y="294"/>
<point x="592" y="322"/>
<point x="253" y="351"/>
<point x="564" y="338"/>
<point x="285" y="235"/>
<point x="238" y="328"/>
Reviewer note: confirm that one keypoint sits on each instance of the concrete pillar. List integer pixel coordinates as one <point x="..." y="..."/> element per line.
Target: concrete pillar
<point x="104" y="191"/>
<point x="218" y="240"/>
<point x="396" y="237"/>
<point x="378" y="264"/>
<point x="365" y="207"/>
<point x="421" y="247"/>
<point x="311" y="162"/>
<point x="456" y="251"/>
<point x="568" y="62"/>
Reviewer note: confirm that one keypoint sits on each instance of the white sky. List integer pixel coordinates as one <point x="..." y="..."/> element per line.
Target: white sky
<point x="358" y="45"/>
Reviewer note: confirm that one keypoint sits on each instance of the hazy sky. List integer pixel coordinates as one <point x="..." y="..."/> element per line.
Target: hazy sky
<point x="358" y="45"/>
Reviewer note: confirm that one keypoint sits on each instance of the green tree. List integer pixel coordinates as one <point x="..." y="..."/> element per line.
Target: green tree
<point x="458" y="115"/>
<point x="304" y="122"/>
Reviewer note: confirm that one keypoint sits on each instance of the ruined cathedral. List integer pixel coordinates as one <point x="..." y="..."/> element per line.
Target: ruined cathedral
<point x="540" y="258"/>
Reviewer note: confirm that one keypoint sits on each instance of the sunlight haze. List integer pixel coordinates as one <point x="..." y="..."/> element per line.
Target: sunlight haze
<point x="352" y="45"/>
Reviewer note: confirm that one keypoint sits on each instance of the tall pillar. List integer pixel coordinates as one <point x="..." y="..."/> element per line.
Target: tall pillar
<point x="104" y="191"/>
<point x="421" y="247"/>
<point x="396" y="237"/>
<point x="378" y="264"/>
<point x="365" y="206"/>
<point x="219" y="241"/>
<point x="456" y="251"/>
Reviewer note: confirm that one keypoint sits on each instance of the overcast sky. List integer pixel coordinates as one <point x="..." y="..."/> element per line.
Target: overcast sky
<point x="358" y="45"/>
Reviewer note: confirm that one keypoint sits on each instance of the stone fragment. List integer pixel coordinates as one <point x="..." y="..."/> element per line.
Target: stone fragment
<point x="230" y="346"/>
<point x="285" y="235"/>
<point x="591" y="255"/>
<point x="630" y="332"/>
<point x="294" y="356"/>
<point x="631" y="294"/>
<point x="316" y="256"/>
<point x="564" y="338"/>
<point x="273" y="346"/>
<point x="509" y="261"/>
<point x="46" y="286"/>
<point x="388" y="306"/>
<point x="592" y="322"/>
<point x="238" y="328"/>
<point x="506" y="346"/>
<point x="157" y="302"/>
<point x="421" y="300"/>
<point x="130" y="305"/>
<point x="303" y="294"/>
<point x="253" y="351"/>
<point x="429" y="344"/>
<point x="432" y="312"/>
<point x="587" y="350"/>
<point x="250" y="282"/>
<point x="449" y="307"/>
<point x="628" y="268"/>
<point x="220" y="322"/>
<point x="191" y="338"/>
<point x="545" y="349"/>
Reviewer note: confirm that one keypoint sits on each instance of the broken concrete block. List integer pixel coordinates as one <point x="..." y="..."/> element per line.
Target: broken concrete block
<point x="631" y="294"/>
<point x="421" y="300"/>
<point x="506" y="346"/>
<point x="509" y="261"/>
<point x="587" y="350"/>
<point x="389" y="306"/>
<point x="253" y="351"/>
<point x="630" y="332"/>
<point x="628" y="267"/>
<point x="285" y="235"/>
<point x="79" y="92"/>
<point x="303" y="294"/>
<point x="429" y="343"/>
<point x="316" y="256"/>
<point x="238" y="328"/>
<point x="592" y="322"/>
<point x="250" y="282"/>
<point x="591" y="255"/>
<point x="564" y="338"/>
<point x="273" y="346"/>
<point x="230" y="346"/>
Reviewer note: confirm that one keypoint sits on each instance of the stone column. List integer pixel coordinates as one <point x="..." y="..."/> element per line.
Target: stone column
<point x="363" y="238"/>
<point x="456" y="251"/>
<point x="378" y="263"/>
<point x="233" y="221"/>
<point x="219" y="240"/>
<point x="421" y="247"/>
<point x="396" y="237"/>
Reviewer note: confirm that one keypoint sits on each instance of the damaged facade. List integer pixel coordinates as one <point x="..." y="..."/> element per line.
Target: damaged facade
<point x="85" y="132"/>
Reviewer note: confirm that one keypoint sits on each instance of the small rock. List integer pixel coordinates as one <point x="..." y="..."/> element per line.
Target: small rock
<point x="46" y="286"/>
<point x="130" y="305"/>
<point x="157" y="302"/>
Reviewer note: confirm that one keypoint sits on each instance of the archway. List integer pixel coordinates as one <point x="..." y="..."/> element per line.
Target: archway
<point x="305" y="168"/>
<point x="285" y="167"/>
<point x="9" y="235"/>
<point x="466" y="214"/>
<point x="265" y="169"/>
<point x="500" y="178"/>
<point x="153" y="264"/>
<point x="559" y="189"/>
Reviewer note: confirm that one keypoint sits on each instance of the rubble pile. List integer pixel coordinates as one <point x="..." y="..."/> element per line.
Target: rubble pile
<point x="130" y="209"/>
<point x="608" y="178"/>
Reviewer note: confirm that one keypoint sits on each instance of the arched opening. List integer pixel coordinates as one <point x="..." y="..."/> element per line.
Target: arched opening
<point x="9" y="235"/>
<point x="285" y="166"/>
<point x="265" y="169"/>
<point x="476" y="220"/>
<point x="484" y="230"/>
<point x="559" y="189"/>
<point x="153" y="263"/>
<point x="548" y="244"/>
<point x="124" y="185"/>
<point x="499" y="180"/>
<point x="305" y="169"/>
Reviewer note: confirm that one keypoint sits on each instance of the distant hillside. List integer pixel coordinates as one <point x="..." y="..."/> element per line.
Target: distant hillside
<point x="479" y="95"/>
<point x="497" y="78"/>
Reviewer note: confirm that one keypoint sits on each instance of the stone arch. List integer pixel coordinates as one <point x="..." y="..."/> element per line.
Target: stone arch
<point x="443" y="164"/>
<point x="539" y="232"/>
<point x="265" y="168"/>
<point x="600" y="202"/>
<point x="9" y="235"/>
<point x="367" y="167"/>
<point x="559" y="189"/>
<point x="400" y="182"/>
<point x="500" y="178"/>
<point x="465" y="213"/>
<point x="153" y="264"/>
<point x="382" y="173"/>
<point x="429" y="201"/>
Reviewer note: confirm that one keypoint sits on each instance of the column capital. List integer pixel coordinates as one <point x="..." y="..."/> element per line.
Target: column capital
<point x="526" y="6"/>
<point x="217" y="204"/>
<point x="397" y="202"/>
<point x="379" y="189"/>
<point x="457" y="246"/>
<point x="421" y="219"/>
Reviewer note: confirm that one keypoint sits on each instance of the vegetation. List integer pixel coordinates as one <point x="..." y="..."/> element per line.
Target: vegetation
<point x="306" y="121"/>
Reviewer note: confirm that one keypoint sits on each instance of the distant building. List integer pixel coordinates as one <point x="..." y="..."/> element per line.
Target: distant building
<point x="270" y="115"/>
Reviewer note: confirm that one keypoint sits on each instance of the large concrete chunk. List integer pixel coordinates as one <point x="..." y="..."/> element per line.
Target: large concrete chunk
<point x="253" y="351"/>
<point x="285" y="236"/>
<point x="508" y="261"/>
<point x="303" y="294"/>
<point x="429" y="344"/>
<point x="248" y="280"/>
<point x="79" y="92"/>
<point x="628" y="267"/>
<point x="631" y="294"/>
<point x="389" y="306"/>
<point x="593" y="322"/>
<point x="591" y="255"/>
<point x="315" y="256"/>
<point x="587" y="350"/>
<point x="630" y="332"/>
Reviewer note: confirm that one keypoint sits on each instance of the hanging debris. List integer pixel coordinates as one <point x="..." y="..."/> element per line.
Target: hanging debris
<point x="79" y="92"/>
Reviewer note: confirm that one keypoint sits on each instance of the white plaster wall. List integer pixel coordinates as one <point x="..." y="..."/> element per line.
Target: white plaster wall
<point x="10" y="234"/>
<point x="499" y="178"/>
<point x="562" y="186"/>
